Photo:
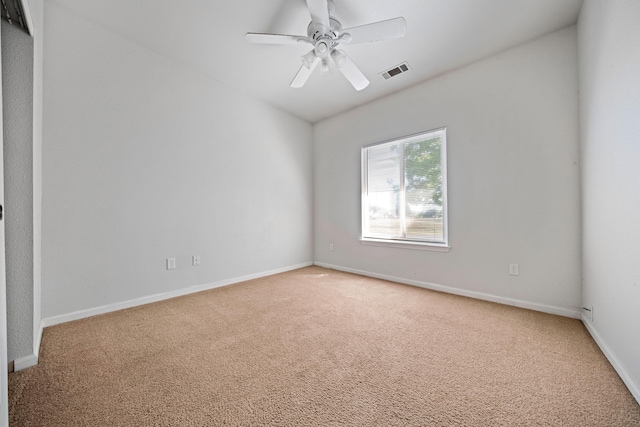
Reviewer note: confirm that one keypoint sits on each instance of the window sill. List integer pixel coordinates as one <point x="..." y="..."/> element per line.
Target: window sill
<point x="435" y="247"/>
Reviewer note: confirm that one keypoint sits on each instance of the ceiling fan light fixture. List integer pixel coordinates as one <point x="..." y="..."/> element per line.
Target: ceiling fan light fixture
<point x="309" y="59"/>
<point x="339" y="58"/>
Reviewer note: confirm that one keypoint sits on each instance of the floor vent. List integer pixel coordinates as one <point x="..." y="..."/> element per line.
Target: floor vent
<point x="398" y="69"/>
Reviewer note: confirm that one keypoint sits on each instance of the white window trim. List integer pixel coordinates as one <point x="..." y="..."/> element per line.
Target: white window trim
<point x="406" y="244"/>
<point x="399" y="242"/>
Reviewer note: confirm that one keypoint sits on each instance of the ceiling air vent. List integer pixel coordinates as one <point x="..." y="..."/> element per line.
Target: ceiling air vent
<point x="398" y="69"/>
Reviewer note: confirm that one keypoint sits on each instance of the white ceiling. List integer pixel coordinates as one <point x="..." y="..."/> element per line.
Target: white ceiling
<point x="442" y="35"/>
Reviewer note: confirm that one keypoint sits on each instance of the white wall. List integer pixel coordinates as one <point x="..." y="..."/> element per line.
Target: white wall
<point x="609" y="53"/>
<point x="144" y="159"/>
<point x="512" y="124"/>
<point x="17" y="90"/>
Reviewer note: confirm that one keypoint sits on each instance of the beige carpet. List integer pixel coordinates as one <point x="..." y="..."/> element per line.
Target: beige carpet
<point x="316" y="347"/>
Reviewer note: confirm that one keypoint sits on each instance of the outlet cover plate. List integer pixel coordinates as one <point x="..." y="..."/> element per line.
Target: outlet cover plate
<point x="514" y="269"/>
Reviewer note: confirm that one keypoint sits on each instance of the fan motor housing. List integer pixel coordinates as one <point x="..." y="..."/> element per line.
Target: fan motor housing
<point x="316" y="31"/>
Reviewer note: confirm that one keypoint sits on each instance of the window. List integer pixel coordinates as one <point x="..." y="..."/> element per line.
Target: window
<point x="404" y="191"/>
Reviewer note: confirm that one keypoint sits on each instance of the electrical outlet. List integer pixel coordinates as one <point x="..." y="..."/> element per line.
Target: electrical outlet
<point x="514" y="270"/>
<point x="196" y="260"/>
<point x="331" y="246"/>
<point x="588" y="312"/>
<point x="171" y="263"/>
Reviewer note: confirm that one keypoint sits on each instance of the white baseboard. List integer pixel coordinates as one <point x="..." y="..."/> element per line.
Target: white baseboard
<point x="32" y="359"/>
<point x="81" y="314"/>
<point x="25" y="362"/>
<point x="628" y="380"/>
<point x="560" y="311"/>
<point x="633" y="387"/>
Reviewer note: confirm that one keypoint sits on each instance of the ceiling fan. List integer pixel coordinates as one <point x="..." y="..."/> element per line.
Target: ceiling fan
<point x="325" y="33"/>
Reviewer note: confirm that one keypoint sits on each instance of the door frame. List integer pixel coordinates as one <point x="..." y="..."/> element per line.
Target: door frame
<point x="4" y="387"/>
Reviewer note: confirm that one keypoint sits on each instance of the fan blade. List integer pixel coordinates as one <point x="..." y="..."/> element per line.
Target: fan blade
<point x="353" y="74"/>
<point x="263" y="38"/>
<point x="383" y="30"/>
<point x="319" y="10"/>
<point x="303" y="74"/>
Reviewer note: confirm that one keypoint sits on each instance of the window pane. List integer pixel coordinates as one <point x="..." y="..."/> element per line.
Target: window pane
<point x="404" y="186"/>
<point x="383" y="178"/>
<point x="423" y="189"/>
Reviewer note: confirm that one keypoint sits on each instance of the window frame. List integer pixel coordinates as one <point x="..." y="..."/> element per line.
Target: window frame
<point x="406" y="242"/>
